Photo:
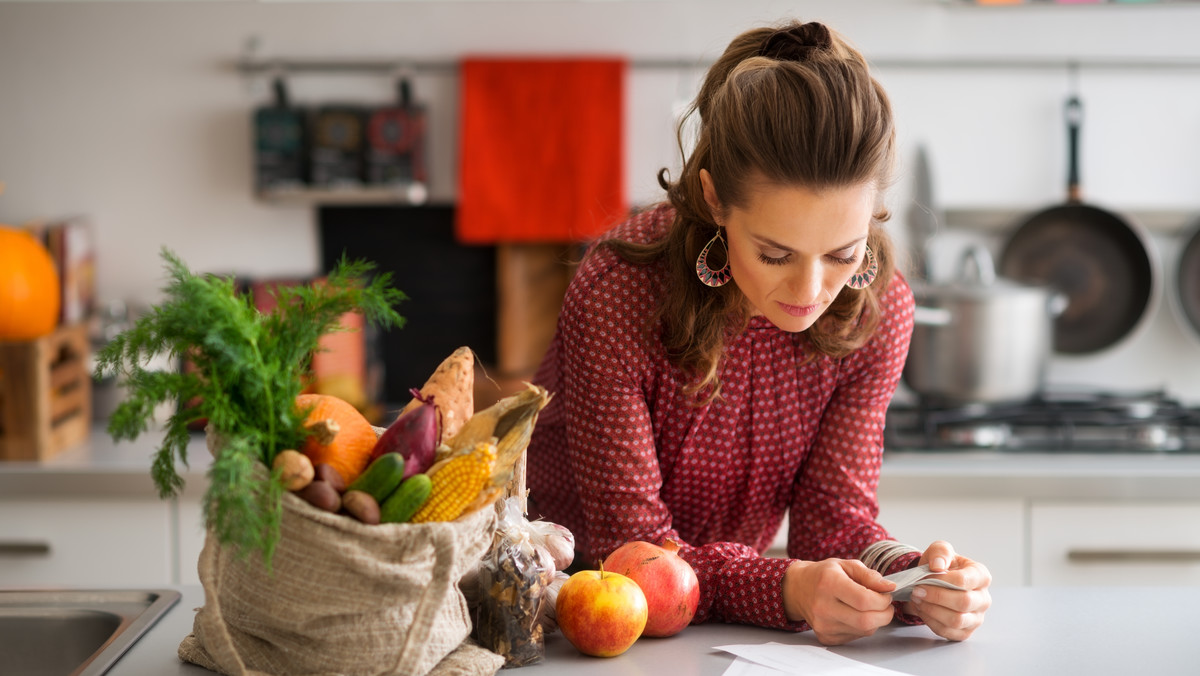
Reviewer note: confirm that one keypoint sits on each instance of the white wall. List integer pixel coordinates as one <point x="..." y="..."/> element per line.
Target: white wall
<point x="132" y="113"/>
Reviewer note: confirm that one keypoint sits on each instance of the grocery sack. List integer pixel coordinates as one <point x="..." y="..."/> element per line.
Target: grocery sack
<point x="343" y="597"/>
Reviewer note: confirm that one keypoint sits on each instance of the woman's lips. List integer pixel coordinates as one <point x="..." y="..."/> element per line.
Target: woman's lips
<point x="798" y="310"/>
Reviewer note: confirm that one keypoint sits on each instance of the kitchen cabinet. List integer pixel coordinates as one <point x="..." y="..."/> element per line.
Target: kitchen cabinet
<point x="82" y="542"/>
<point x="1092" y="542"/>
<point x="190" y="538"/>
<point x="991" y="531"/>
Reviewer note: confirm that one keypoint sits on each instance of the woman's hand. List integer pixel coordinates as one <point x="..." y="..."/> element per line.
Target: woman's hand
<point x="840" y="599"/>
<point x="950" y="613"/>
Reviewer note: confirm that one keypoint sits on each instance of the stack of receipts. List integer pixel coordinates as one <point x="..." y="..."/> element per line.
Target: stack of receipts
<point x="907" y="580"/>
<point x="773" y="659"/>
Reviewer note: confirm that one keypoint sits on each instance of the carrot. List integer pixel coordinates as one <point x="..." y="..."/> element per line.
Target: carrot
<point x="452" y="386"/>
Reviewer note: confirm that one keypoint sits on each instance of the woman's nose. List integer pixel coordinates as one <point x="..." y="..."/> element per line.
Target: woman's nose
<point x="806" y="283"/>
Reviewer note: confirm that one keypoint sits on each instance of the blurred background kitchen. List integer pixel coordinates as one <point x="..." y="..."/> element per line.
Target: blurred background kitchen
<point x="151" y="124"/>
<point x="137" y="117"/>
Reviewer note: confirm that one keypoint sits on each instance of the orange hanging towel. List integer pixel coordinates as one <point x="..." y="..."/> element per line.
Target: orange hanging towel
<point x="541" y="154"/>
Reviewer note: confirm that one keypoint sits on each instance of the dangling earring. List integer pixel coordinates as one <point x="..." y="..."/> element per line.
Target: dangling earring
<point x="861" y="280"/>
<point x="707" y="275"/>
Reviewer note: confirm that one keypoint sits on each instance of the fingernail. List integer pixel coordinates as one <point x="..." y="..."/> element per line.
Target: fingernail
<point x="918" y="594"/>
<point x="940" y="564"/>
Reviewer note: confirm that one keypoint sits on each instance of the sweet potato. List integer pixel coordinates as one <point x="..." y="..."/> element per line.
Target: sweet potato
<point x="452" y="386"/>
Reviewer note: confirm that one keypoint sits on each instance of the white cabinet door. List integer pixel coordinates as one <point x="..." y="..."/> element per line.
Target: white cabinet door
<point x="190" y="525"/>
<point x="1095" y="543"/>
<point x="990" y="531"/>
<point x="85" y="542"/>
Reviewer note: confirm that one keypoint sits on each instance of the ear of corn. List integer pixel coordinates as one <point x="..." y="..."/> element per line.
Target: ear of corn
<point x="498" y="420"/>
<point x="458" y="483"/>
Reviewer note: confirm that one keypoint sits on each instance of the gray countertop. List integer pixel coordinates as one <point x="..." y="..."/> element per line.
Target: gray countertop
<point x="1029" y="631"/>
<point x="102" y="467"/>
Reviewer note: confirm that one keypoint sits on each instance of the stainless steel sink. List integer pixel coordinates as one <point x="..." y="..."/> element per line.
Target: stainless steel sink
<point x="59" y="632"/>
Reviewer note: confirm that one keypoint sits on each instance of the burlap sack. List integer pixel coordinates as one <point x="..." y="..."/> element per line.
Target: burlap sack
<point x="344" y="598"/>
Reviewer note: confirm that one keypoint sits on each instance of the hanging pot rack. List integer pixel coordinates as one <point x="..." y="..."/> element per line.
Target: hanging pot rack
<point x="268" y="66"/>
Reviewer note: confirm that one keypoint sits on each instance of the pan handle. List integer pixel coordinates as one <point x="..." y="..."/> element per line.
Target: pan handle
<point x="1073" y="112"/>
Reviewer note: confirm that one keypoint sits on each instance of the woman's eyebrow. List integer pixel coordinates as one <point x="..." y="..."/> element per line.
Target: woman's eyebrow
<point x="776" y="245"/>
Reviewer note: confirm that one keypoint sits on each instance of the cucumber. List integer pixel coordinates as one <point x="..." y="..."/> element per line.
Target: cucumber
<point x="381" y="477"/>
<point x="404" y="503"/>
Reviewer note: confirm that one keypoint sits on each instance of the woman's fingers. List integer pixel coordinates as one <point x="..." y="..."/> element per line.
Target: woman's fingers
<point x="846" y="600"/>
<point x="947" y="621"/>
<point x="939" y="555"/>
<point x="954" y="614"/>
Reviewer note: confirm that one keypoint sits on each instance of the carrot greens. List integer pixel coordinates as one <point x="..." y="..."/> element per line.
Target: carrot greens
<point x="250" y="367"/>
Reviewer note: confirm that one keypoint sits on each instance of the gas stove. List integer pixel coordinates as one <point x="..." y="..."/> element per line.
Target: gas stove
<point x="1063" y="421"/>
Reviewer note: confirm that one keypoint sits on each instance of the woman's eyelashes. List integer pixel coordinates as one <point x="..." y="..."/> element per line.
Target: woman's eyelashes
<point x="774" y="260"/>
<point x="850" y="258"/>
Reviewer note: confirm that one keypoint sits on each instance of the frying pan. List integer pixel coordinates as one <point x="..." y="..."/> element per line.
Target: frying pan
<point x="1102" y="262"/>
<point x="1187" y="281"/>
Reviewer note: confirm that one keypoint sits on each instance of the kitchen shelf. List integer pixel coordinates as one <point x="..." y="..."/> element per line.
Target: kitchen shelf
<point x="286" y="66"/>
<point x="411" y="194"/>
<point x="1004" y="219"/>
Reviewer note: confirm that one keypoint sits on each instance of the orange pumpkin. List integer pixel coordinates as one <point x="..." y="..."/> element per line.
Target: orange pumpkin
<point x="341" y="436"/>
<point x="29" y="287"/>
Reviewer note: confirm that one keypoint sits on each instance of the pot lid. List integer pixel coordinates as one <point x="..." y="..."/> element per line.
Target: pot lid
<point x="977" y="280"/>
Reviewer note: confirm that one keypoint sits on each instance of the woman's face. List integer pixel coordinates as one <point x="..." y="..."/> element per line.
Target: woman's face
<point x="791" y="250"/>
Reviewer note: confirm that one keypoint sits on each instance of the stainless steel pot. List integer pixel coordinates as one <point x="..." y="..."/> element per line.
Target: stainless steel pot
<point x="981" y="339"/>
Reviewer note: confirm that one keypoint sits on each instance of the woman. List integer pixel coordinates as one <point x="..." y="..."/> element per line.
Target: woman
<point x="728" y="357"/>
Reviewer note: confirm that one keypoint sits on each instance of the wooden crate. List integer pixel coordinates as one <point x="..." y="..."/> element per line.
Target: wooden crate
<point x="45" y="394"/>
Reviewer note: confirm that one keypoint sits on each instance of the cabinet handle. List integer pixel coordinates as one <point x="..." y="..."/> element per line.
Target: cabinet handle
<point x="1134" y="555"/>
<point x="24" y="548"/>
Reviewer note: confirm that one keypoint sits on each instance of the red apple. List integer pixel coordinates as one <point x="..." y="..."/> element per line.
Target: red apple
<point x="601" y="613"/>
<point x="669" y="583"/>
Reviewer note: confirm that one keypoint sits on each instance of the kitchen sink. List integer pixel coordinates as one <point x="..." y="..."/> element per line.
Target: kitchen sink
<point x="60" y="632"/>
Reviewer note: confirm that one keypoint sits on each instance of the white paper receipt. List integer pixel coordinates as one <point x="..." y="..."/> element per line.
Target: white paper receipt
<point x="773" y="659"/>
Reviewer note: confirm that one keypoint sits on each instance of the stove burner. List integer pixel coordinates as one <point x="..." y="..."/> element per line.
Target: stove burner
<point x="1052" y="421"/>
<point x="982" y="435"/>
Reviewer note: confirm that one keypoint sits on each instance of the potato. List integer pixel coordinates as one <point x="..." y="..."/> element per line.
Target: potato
<point x="295" y="469"/>
<point x="361" y="506"/>
<point x="327" y="473"/>
<point x="322" y="495"/>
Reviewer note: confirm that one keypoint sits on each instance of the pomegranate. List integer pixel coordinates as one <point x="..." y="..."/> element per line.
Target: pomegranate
<point x="671" y="588"/>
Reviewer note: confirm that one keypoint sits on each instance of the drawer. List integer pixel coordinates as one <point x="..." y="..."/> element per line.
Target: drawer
<point x="1142" y="543"/>
<point x="86" y="542"/>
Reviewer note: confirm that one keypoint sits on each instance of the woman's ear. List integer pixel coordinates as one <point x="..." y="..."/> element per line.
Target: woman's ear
<point x="710" y="193"/>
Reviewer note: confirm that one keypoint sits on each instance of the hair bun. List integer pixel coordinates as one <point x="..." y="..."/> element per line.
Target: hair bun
<point x="798" y="43"/>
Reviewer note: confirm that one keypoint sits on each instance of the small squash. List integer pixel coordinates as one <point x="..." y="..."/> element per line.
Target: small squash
<point x="340" y="436"/>
<point x="29" y="287"/>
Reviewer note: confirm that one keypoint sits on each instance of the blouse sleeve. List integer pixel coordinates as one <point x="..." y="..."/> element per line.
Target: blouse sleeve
<point x="612" y="453"/>
<point x="834" y="503"/>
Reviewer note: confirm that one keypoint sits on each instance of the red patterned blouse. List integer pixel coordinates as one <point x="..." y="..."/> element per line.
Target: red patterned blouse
<point x="622" y="454"/>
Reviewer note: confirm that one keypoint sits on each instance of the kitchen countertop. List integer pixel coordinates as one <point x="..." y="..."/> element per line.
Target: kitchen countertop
<point x="102" y="467"/>
<point x="1029" y="631"/>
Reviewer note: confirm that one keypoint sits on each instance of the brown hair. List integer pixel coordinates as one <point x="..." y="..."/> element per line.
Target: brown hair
<point x="795" y="105"/>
